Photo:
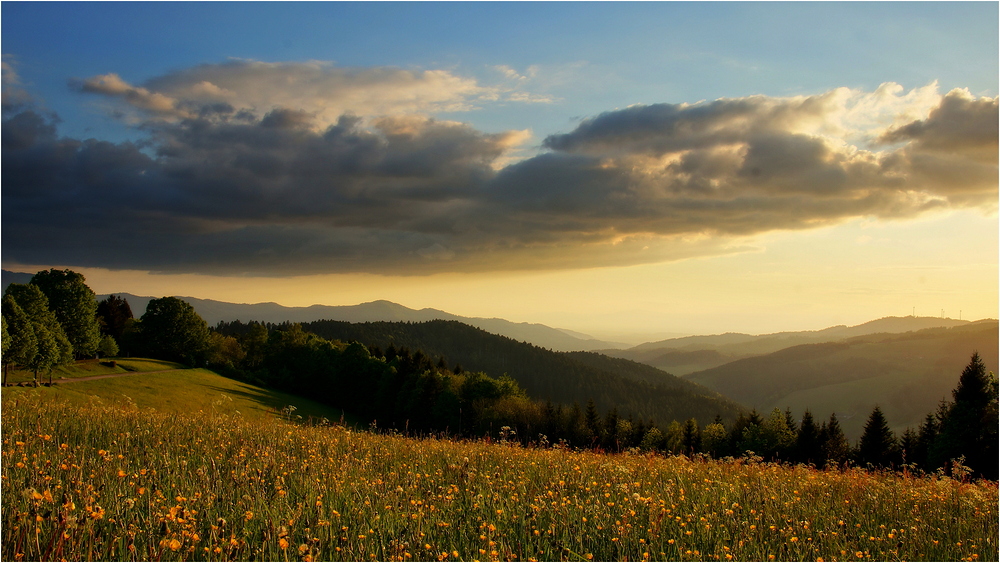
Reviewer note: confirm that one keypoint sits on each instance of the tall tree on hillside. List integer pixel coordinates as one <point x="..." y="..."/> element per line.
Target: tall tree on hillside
<point x="691" y="438"/>
<point x="35" y="305"/>
<point x="74" y="305"/>
<point x="747" y="434"/>
<point x="790" y="421"/>
<point x="925" y="439"/>
<point x="836" y="449"/>
<point x="808" y="448"/>
<point x="114" y="312"/>
<point x="779" y="438"/>
<point x="969" y="428"/>
<point x="20" y="345"/>
<point x="878" y="444"/>
<point x="609" y="435"/>
<point x="592" y="420"/>
<point x="907" y="445"/>
<point x="170" y="329"/>
<point x="49" y="353"/>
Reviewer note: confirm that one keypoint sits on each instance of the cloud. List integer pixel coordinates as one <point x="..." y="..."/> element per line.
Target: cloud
<point x="14" y="96"/>
<point x="247" y="171"/>
<point x="326" y="91"/>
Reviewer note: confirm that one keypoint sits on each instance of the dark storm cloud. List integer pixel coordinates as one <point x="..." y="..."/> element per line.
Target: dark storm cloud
<point x="226" y="186"/>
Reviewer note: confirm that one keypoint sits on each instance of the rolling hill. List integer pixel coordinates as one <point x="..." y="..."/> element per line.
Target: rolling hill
<point x="689" y="354"/>
<point x="564" y="378"/>
<point x="905" y="374"/>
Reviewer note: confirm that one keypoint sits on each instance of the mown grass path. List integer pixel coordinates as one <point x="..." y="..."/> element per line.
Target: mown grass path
<point x="64" y="380"/>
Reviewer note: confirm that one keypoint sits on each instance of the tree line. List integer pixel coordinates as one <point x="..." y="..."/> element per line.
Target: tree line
<point x="960" y="437"/>
<point x="387" y="387"/>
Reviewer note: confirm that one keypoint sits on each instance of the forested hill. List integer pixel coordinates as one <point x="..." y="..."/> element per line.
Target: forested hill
<point x="905" y="374"/>
<point x="564" y="378"/>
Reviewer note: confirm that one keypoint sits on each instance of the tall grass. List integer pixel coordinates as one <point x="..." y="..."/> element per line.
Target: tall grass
<point x="96" y="482"/>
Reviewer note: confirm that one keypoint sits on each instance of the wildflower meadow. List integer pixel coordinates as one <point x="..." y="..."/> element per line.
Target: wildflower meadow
<point x="99" y="482"/>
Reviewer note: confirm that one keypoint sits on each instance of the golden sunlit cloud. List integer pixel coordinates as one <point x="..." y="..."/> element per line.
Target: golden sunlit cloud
<point x="284" y="169"/>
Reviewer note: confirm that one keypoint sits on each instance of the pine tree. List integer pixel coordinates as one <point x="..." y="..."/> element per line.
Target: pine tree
<point x="692" y="437"/>
<point x="925" y="439"/>
<point x="969" y="428"/>
<point x="808" y="448"/>
<point x="836" y="449"/>
<point x="609" y="436"/>
<point x="790" y="420"/>
<point x="907" y="446"/>
<point x="592" y="421"/>
<point x="878" y="444"/>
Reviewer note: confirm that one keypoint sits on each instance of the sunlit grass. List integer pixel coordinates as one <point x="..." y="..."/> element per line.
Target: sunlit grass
<point x="102" y="482"/>
<point x="180" y="392"/>
<point x="87" y="368"/>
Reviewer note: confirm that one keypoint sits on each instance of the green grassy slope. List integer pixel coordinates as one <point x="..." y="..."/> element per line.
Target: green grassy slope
<point x="88" y="368"/>
<point x="906" y="374"/>
<point x="180" y="392"/>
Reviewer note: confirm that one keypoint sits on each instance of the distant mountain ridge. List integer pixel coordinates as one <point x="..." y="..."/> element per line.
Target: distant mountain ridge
<point x="560" y="340"/>
<point x="538" y="334"/>
<point x="689" y="354"/>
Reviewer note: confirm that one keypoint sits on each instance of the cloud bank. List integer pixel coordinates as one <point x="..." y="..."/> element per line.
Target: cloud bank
<point x="299" y="168"/>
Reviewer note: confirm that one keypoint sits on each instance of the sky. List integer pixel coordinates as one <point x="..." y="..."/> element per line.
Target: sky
<point x="628" y="170"/>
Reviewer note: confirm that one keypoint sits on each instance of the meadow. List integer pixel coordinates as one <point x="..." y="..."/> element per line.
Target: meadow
<point x="95" y="479"/>
<point x="89" y="368"/>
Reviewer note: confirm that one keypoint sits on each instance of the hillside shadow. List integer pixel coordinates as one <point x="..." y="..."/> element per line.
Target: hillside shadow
<point x="265" y="402"/>
<point x="272" y="402"/>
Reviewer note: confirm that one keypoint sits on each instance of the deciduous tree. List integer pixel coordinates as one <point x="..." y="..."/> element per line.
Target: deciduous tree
<point x="74" y="305"/>
<point x="114" y="312"/>
<point x="170" y="329"/>
<point x="20" y="345"/>
<point x="54" y="347"/>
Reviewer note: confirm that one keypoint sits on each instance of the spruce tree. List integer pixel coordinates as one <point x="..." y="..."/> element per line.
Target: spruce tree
<point x="808" y="448"/>
<point x="692" y="437"/>
<point x="907" y="447"/>
<point x="878" y="444"/>
<point x="592" y="421"/>
<point x="969" y="428"/>
<point x="836" y="449"/>
<point x="609" y="436"/>
<point x="925" y="439"/>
